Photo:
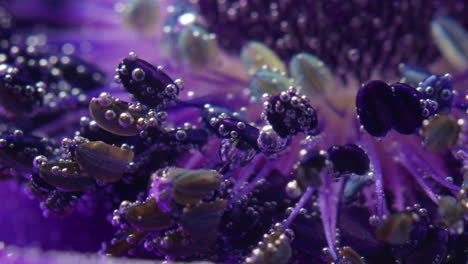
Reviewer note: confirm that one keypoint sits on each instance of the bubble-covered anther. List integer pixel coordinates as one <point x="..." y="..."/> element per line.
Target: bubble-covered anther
<point x="307" y="170"/>
<point x="235" y="129"/>
<point x="412" y="74"/>
<point x="141" y="15"/>
<point x="255" y="55"/>
<point x="312" y="74"/>
<point x="407" y="111"/>
<point x="197" y="46"/>
<point x="190" y="186"/>
<point x="452" y="40"/>
<point x="80" y="73"/>
<point x="290" y="113"/>
<point x="349" y="159"/>
<point x="38" y="187"/>
<point x="438" y="88"/>
<point x="147" y="216"/>
<point x="373" y="106"/>
<point x="270" y="142"/>
<point x="275" y="248"/>
<point x="149" y="85"/>
<point x="18" y="150"/>
<point x="66" y="176"/>
<point x="235" y="152"/>
<point x="195" y="137"/>
<point x="268" y="81"/>
<point x="451" y="212"/>
<point x="202" y="219"/>
<point x="117" y="116"/>
<point x="397" y="228"/>
<point x="60" y="203"/>
<point x="122" y="242"/>
<point x="18" y="97"/>
<point x="347" y="255"/>
<point x="102" y="161"/>
<point x="440" y="132"/>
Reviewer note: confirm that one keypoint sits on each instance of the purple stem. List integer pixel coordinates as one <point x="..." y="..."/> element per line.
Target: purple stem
<point x="299" y="205"/>
<point x="421" y="163"/>
<point x="246" y="172"/>
<point x="328" y="202"/>
<point x="370" y="147"/>
<point x="404" y="160"/>
<point x="247" y="189"/>
<point x="194" y="161"/>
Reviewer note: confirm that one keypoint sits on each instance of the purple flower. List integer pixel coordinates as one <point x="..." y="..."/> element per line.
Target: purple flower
<point x="288" y="131"/>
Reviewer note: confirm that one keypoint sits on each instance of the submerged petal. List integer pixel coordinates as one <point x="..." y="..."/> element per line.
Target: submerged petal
<point x="198" y="47"/>
<point x="255" y="55"/>
<point x="268" y="81"/>
<point x="314" y="77"/>
<point x="452" y="40"/>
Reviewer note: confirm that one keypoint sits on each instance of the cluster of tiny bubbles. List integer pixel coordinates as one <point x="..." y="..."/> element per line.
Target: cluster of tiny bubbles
<point x="289" y="113"/>
<point x="275" y="247"/>
<point x="438" y="90"/>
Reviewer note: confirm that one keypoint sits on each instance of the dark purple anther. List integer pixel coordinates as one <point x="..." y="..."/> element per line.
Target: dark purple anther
<point x="349" y="159"/>
<point x="373" y="105"/>
<point x="381" y="107"/>
<point x="407" y="111"/>
<point x="225" y="123"/>
<point x="195" y="137"/>
<point x="148" y="84"/>
<point x="290" y="113"/>
<point x="438" y="88"/>
<point x="308" y="170"/>
<point x="66" y="176"/>
<point x="235" y="129"/>
<point x="18" y="150"/>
